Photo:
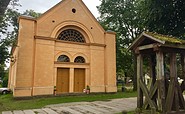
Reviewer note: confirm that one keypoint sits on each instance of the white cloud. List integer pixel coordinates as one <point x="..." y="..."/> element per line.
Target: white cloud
<point x="43" y="5"/>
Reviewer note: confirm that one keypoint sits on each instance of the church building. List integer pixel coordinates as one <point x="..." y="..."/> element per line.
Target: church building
<point x="66" y="50"/>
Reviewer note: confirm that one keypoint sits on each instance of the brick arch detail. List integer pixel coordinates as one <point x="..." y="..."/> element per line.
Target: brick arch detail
<point x="73" y="25"/>
<point x="82" y="55"/>
<point x="64" y="53"/>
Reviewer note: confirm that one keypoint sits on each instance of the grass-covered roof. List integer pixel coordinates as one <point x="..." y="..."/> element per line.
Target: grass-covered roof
<point x="166" y="38"/>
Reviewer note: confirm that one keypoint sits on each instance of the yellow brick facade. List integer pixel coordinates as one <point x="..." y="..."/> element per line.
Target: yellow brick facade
<point x="34" y="68"/>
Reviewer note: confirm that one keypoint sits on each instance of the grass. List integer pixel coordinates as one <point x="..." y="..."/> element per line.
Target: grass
<point x="7" y="102"/>
<point x="130" y="112"/>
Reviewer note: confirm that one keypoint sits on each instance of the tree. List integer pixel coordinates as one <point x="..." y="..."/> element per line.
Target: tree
<point x="3" y="6"/>
<point x="166" y="17"/>
<point x="10" y="37"/>
<point x="3" y="25"/>
<point x="125" y="17"/>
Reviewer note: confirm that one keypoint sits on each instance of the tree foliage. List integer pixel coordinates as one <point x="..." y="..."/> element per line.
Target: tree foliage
<point x="166" y="17"/>
<point x="4" y="43"/>
<point x="8" y="34"/>
<point x="3" y="6"/>
<point x="125" y="18"/>
<point x="128" y="18"/>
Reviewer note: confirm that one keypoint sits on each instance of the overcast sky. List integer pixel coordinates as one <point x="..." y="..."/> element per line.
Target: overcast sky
<point x="42" y="6"/>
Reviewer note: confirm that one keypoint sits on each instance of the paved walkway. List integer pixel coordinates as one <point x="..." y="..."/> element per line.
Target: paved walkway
<point x="96" y="107"/>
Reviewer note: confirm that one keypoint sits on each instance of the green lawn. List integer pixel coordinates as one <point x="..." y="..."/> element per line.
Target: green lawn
<point x="8" y="103"/>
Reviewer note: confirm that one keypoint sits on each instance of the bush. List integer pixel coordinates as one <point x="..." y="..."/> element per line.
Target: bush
<point x="5" y="80"/>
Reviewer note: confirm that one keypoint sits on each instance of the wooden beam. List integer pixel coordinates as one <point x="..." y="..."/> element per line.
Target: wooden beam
<point x="160" y="81"/>
<point x="171" y="50"/>
<point x="139" y="77"/>
<point x="152" y="38"/>
<point x="170" y="95"/>
<point x="146" y="93"/>
<point x="172" y="83"/>
<point x="153" y="75"/>
<point x="176" y="103"/>
<point x="177" y="46"/>
<point x="181" y="98"/>
<point x="183" y="64"/>
<point x="149" y="46"/>
<point x="145" y="52"/>
<point x="151" y="95"/>
<point x="152" y="65"/>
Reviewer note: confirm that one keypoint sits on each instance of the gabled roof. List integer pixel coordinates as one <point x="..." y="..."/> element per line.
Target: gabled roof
<point x="156" y="38"/>
<point x="81" y="3"/>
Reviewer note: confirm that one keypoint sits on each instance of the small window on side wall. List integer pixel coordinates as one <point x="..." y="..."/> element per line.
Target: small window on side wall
<point x="79" y="59"/>
<point x="63" y="58"/>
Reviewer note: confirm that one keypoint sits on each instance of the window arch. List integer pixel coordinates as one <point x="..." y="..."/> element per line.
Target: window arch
<point x="71" y="35"/>
<point x="63" y="58"/>
<point x="79" y="59"/>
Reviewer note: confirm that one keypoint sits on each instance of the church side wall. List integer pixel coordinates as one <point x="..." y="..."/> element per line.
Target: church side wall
<point x="97" y="69"/>
<point x="110" y="63"/>
<point x="23" y="84"/>
<point x="13" y="70"/>
<point x="44" y="67"/>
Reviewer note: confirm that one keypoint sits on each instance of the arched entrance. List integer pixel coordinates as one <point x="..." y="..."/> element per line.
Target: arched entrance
<point x="62" y="85"/>
<point x="71" y="75"/>
<point x="79" y="75"/>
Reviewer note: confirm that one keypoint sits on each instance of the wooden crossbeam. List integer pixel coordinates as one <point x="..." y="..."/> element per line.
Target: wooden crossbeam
<point x="183" y="64"/>
<point x="181" y="98"/>
<point x="176" y="103"/>
<point x="149" y="46"/>
<point x="170" y="95"/>
<point x="146" y="93"/>
<point x="153" y="90"/>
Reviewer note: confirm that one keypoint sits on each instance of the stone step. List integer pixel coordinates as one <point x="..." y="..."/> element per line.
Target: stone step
<point x="18" y="112"/>
<point x="28" y="112"/>
<point x="49" y="111"/>
<point x="7" y="112"/>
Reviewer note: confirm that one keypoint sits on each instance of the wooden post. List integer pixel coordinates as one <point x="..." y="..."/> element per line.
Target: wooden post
<point x="152" y="71"/>
<point x="135" y="73"/>
<point x="160" y="81"/>
<point x="183" y="64"/>
<point x="182" y="101"/>
<point x="139" y="77"/>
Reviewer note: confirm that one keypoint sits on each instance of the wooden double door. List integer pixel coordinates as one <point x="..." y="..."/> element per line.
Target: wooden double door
<point x="63" y="80"/>
<point x="79" y="80"/>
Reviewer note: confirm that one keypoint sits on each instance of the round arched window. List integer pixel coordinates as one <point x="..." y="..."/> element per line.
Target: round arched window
<point x="63" y="58"/>
<point x="79" y="59"/>
<point x="71" y="35"/>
